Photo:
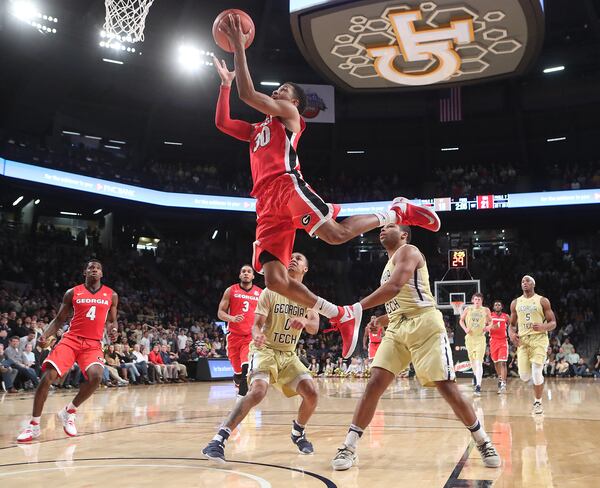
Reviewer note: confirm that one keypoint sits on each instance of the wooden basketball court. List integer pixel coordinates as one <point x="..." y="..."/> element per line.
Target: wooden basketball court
<point x="142" y="436"/>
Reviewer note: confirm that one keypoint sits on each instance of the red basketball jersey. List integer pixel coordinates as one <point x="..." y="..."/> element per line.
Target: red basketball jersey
<point x="90" y="312"/>
<point x="499" y="334"/>
<point x="243" y="302"/>
<point x="272" y="152"/>
<point x="375" y="338"/>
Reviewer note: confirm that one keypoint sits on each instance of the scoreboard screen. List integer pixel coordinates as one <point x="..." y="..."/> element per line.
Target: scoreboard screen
<point x="457" y="258"/>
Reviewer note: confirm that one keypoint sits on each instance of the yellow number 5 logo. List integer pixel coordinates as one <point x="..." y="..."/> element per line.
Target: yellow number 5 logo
<point x="422" y="45"/>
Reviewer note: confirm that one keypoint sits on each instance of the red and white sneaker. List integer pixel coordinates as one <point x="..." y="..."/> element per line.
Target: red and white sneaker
<point x="415" y="215"/>
<point x="32" y="431"/>
<point x="348" y="323"/>
<point x="68" y="420"/>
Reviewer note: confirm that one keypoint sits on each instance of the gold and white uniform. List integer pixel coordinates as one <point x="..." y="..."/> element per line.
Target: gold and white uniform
<point x="277" y="361"/>
<point x="475" y="340"/>
<point x="533" y="346"/>
<point x="416" y="332"/>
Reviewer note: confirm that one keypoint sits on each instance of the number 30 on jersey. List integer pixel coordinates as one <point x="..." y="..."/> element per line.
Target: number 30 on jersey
<point x="262" y="138"/>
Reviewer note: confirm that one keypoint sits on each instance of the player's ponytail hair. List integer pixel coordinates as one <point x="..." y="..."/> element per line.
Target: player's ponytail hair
<point x="299" y="94"/>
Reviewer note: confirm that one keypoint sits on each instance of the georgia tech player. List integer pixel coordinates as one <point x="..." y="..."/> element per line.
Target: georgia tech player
<point x="278" y="324"/>
<point x="531" y="318"/>
<point x="475" y="320"/>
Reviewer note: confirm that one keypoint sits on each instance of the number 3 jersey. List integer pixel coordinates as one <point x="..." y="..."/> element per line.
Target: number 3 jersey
<point x="280" y="311"/>
<point x="90" y="311"/>
<point x="273" y="152"/>
<point x="243" y="302"/>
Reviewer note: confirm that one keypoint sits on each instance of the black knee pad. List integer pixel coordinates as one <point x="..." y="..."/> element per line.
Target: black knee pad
<point x="244" y="380"/>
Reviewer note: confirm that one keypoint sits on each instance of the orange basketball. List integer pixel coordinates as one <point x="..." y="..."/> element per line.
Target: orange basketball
<point x="223" y="17"/>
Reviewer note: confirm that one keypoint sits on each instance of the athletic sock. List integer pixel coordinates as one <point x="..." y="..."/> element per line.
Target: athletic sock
<point x="326" y="308"/>
<point x="537" y="399"/>
<point x="222" y="435"/>
<point x="354" y="433"/>
<point x="387" y="217"/>
<point x="71" y="408"/>
<point x="479" y="435"/>
<point x="35" y="420"/>
<point x="297" y="429"/>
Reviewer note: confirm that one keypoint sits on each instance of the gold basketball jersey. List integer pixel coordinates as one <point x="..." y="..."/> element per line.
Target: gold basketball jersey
<point x="475" y="320"/>
<point x="279" y="312"/>
<point x="413" y="297"/>
<point x="529" y="312"/>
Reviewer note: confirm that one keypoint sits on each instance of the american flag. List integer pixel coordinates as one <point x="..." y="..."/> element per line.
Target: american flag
<point x="450" y="105"/>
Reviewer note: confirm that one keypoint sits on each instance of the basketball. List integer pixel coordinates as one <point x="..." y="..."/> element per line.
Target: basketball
<point x="223" y="17"/>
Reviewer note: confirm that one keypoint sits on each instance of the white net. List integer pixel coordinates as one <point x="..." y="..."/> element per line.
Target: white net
<point x="457" y="307"/>
<point x="126" y="19"/>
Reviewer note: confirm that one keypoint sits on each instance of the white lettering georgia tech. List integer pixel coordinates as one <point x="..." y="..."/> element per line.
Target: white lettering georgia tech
<point x="422" y="45"/>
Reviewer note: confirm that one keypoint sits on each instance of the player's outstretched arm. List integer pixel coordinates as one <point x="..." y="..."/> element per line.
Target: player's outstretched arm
<point x="65" y="310"/>
<point x="406" y="260"/>
<point x="259" y="101"/>
<point x="239" y="129"/>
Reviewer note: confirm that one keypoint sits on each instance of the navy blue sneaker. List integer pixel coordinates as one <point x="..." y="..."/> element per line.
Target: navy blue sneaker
<point x="215" y="451"/>
<point x="302" y="444"/>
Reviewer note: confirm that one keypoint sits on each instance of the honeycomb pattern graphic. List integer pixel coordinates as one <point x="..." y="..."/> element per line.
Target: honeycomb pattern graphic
<point x="490" y="40"/>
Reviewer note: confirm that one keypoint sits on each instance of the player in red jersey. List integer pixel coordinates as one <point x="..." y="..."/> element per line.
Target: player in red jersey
<point x="373" y="334"/>
<point x="285" y="202"/>
<point x="94" y="307"/>
<point x="237" y="309"/>
<point x="499" y="344"/>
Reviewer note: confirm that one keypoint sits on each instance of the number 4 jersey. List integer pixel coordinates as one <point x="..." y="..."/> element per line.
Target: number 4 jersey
<point x="243" y="302"/>
<point x="90" y="311"/>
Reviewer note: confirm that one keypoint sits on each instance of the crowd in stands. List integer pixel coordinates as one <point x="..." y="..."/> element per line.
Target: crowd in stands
<point x="218" y="178"/>
<point x="167" y="313"/>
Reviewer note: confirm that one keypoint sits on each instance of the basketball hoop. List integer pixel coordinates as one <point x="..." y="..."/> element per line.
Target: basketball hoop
<point x="457" y="306"/>
<point x="126" y="19"/>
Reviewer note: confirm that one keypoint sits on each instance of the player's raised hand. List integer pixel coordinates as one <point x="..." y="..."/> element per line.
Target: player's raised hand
<point x="226" y="76"/>
<point x="297" y="324"/>
<point x="238" y="318"/>
<point x="234" y="32"/>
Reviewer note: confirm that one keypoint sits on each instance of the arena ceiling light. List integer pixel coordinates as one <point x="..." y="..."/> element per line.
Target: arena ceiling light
<point x="270" y="83"/>
<point x="455" y="148"/>
<point x="172" y="143"/>
<point x="27" y="12"/>
<point x="191" y="58"/>
<point x="117" y="142"/>
<point x="556" y="139"/>
<point x="70" y="213"/>
<point x="17" y="201"/>
<point x="96" y="212"/>
<point x="554" y="69"/>
<point x="355" y="151"/>
<point x="113" y="61"/>
<point x="71" y="133"/>
<point x="37" y="201"/>
<point x="214" y="236"/>
<point x="96" y="138"/>
<point x="108" y="146"/>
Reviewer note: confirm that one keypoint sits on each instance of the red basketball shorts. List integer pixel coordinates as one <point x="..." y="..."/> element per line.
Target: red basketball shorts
<point x="498" y="350"/>
<point x="75" y="349"/>
<point x="238" y="351"/>
<point x="373" y="346"/>
<point x="287" y="204"/>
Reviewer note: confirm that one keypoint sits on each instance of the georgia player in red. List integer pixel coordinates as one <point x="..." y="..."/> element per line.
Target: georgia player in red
<point x="285" y="202"/>
<point x="94" y="307"/>
<point x="499" y="344"/>
<point x="373" y="333"/>
<point x="237" y="309"/>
